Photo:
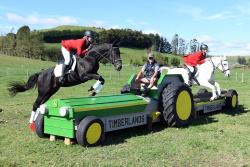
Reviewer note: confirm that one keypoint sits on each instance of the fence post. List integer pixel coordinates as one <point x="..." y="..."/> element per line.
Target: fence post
<point x="242" y="79"/>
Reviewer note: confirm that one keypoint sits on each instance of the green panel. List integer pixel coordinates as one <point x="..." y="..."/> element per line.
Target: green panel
<point x="102" y="105"/>
<point x="59" y="126"/>
<point x="69" y="133"/>
<point x="130" y="79"/>
<point x="56" y="112"/>
<point x="110" y="111"/>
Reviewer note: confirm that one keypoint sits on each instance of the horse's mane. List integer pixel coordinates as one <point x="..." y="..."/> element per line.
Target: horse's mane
<point x="218" y="57"/>
<point x="99" y="45"/>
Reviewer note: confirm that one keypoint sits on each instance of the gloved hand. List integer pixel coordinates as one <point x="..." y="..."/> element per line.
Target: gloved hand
<point x="90" y="47"/>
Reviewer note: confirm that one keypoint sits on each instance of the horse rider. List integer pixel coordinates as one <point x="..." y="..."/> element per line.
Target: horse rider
<point x="81" y="46"/>
<point x="192" y="60"/>
<point x="152" y="68"/>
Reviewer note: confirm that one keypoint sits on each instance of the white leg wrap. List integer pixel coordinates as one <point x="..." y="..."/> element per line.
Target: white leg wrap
<point x="32" y="116"/>
<point x="97" y="84"/>
<point x="98" y="88"/>
<point x="37" y="113"/>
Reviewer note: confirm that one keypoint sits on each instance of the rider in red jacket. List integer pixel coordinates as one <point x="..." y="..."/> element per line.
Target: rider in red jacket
<point x="81" y="46"/>
<point x="192" y="60"/>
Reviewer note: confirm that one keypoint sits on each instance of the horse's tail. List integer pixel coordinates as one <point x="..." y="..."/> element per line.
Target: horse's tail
<point x="20" y="86"/>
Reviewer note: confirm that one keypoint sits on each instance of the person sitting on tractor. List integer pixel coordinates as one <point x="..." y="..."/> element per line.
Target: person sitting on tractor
<point x="192" y="60"/>
<point x="152" y="68"/>
<point x="79" y="46"/>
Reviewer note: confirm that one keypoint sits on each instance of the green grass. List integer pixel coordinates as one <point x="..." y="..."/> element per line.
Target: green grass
<point x="216" y="139"/>
<point x="128" y="53"/>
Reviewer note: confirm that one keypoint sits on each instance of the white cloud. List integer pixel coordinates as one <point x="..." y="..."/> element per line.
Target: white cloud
<point x="6" y="29"/>
<point x="44" y="21"/>
<point x="151" y="32"/>
<point x="114" y="27"/>
<point x="244" y="8"/>
<point x="95" y="23"/>
<point x="222" y="15"/>
<point x="204" y="38"/>
<point x="197" y="13"/>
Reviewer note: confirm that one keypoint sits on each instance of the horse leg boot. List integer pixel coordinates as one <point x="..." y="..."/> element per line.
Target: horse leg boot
<point x="98" y="86"/>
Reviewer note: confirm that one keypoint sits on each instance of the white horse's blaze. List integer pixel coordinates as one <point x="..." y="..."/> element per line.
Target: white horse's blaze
<point x="205" y="74"/>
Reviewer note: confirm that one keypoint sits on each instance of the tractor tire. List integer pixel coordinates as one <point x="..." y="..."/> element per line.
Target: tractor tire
<point x="178" y="105"/>
<point x="90" y="131"/>
<point x="231" y="99"/>
<point x="202" y="90"/>
<point x="39" y="127"/>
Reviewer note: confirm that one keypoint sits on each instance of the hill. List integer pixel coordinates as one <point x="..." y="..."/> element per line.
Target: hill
<point x="72" y="28"/>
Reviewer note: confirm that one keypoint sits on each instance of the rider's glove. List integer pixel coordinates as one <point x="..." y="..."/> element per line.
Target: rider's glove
<point x="90" y="47"/>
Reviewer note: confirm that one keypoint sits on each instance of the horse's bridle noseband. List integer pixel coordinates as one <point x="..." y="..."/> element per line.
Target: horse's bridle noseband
<point x="223" y="68"/>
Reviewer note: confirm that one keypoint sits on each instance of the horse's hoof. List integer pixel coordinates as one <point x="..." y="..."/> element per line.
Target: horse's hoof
<point x="90" y="88"/>
<point x="92" y="94"/>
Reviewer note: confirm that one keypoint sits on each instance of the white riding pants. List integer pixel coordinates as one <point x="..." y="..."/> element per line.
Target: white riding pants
<point x="191" y="68"/>
<point x="66" y="55"/>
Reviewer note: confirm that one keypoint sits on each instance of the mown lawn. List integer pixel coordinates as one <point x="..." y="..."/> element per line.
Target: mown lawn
<point x="217" y="139"/>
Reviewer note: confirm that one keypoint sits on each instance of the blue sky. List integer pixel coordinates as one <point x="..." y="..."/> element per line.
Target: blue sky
<point x="222" y="25"/>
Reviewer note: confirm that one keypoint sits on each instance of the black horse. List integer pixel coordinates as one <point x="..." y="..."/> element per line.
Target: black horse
<point x="86" y="69"/>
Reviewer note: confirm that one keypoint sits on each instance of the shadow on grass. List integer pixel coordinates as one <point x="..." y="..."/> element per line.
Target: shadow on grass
<point x="120" y="136"/>
<point x="207" y="118"/>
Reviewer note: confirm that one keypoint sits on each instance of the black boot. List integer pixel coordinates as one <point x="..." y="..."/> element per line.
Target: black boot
<point x="137" y="91"/>
<point x="145" y="92"/>
<point x="62" y="78"/>
<point x="190" y="76"/>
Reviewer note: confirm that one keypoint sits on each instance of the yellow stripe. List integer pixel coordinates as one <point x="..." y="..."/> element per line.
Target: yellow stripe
<point x="106" y="107"/>
<point x="203" y="103"/>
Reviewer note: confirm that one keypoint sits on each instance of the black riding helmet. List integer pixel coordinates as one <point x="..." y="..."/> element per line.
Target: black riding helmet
<point x="89" y="33"/>
<point x="203" y="46"/>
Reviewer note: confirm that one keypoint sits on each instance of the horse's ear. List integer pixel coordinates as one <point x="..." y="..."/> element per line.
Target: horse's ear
<point x="113" y="43"/>
<point x="118" y="43"/>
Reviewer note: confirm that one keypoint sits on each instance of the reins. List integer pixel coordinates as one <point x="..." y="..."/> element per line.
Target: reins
<point x="223" y="68"/>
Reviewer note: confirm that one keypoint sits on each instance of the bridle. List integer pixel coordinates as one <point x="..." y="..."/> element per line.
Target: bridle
<point x="223" y="68"/>
<point x="104" y="55"/>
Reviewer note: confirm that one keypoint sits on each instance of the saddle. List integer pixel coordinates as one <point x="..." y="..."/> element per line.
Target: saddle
<point x="193" y="74"/>
<point x="58" y="71"/>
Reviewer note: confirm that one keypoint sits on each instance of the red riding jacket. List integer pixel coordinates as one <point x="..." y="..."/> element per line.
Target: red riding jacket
<point x="194" y="59"/>
<point x="78" y="46"/>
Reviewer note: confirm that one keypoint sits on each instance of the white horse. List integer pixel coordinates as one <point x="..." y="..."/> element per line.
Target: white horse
<point x="205" y="74"/>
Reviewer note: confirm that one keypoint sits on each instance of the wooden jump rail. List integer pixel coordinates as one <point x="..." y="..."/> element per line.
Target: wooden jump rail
<point x="204" y="97"/>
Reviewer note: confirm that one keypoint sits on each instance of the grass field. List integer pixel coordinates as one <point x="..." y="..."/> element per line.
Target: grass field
<point x="216" y="139"/>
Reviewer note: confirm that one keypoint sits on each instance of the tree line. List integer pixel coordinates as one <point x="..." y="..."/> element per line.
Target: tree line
<point x="30" y="44"/>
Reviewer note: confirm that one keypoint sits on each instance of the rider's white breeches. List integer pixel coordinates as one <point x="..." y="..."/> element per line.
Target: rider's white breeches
<point x="66" y="55"/>
<point x="191" y="68"/>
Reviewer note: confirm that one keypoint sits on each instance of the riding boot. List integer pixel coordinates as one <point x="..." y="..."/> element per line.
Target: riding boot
<point x="190" y="76"/>
<point x="145" y="92"/>
<point x="62" y="77"/>
<point x="137" y="91"/>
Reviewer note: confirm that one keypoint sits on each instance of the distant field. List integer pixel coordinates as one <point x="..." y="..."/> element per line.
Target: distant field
<point x="72" y="28"/>
<point x="215" y="139"/>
